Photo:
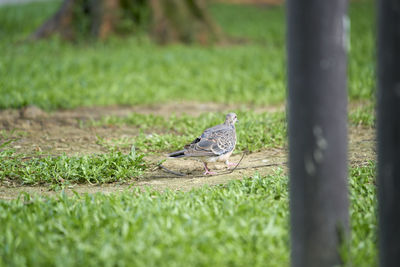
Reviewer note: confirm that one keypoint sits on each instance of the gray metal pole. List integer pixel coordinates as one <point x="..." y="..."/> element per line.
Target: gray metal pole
<point x="389" y="131"/>
<point x="317" y="96"/>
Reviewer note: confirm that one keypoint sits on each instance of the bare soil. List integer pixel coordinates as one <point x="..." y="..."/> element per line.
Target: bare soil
<point x="62" y="132"/>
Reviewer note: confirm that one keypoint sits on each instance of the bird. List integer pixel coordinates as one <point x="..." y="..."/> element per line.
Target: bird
<point x="214" y="144"/>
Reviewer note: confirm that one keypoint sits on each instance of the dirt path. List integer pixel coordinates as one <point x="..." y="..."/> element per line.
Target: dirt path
<point x="62" y="132"/>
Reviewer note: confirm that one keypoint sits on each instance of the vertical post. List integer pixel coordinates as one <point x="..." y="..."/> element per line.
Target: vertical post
<point x="317" y="96"/>
<point x="389" y="131"/>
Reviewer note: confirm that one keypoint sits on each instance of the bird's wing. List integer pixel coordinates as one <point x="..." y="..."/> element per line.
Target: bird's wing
<point x="214" y="141"/>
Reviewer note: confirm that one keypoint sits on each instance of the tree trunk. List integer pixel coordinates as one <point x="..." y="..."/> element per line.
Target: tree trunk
<point x="168" y="20"/>
<point x="105" y="16"/>
<point x="185" y="21"/>
<point x="60" y="22"/>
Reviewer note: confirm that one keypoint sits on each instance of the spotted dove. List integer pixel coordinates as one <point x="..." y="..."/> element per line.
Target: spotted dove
<point x="215" y="144"/>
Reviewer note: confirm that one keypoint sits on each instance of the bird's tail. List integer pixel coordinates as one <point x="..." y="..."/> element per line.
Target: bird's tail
<point x="177" y="154"/>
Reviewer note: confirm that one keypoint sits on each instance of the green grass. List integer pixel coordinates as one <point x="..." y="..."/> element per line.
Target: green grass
<point x="265" y="25"/>
<point x="244" y="223"/>
<point x="104" y="168"/>
<point x="363" y="212"/>
<point x="361" y="61"/>
<point x="52" y="74"/>
<point x="363" y="115"/>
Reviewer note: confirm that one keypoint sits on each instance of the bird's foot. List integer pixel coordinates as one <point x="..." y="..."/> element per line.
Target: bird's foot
<point x="208" y="172"/>
<point x="231" y="165"/>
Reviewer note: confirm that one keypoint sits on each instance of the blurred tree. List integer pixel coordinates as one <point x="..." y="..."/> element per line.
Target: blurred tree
<point x="166" y="20"/>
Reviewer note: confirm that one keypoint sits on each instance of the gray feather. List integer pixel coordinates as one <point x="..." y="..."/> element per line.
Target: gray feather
<point x="214" y="141"/>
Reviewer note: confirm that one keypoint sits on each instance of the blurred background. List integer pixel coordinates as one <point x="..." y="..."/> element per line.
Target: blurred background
<point x="74" y="53"/>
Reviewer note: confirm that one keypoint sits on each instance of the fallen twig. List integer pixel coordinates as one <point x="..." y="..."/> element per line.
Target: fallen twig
<point x="218" y="174"/>
<point x="245" y="152"/>
<point x="169" y="171"/>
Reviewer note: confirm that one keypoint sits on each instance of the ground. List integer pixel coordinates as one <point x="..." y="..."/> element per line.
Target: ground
<point x="62" y="132"/>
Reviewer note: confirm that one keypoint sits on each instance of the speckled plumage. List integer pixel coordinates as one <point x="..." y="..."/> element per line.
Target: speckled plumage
<point x="215" y="144"/>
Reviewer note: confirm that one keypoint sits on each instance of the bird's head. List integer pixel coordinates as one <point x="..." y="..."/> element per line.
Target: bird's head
<point x="231" y="119"/>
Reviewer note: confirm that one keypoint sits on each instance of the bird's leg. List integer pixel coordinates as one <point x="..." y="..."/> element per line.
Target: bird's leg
<point x="207" y="171"/>
<point x="230" y="164"/>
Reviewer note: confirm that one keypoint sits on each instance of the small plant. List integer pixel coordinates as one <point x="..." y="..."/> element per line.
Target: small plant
<point x="102" y="168"/>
